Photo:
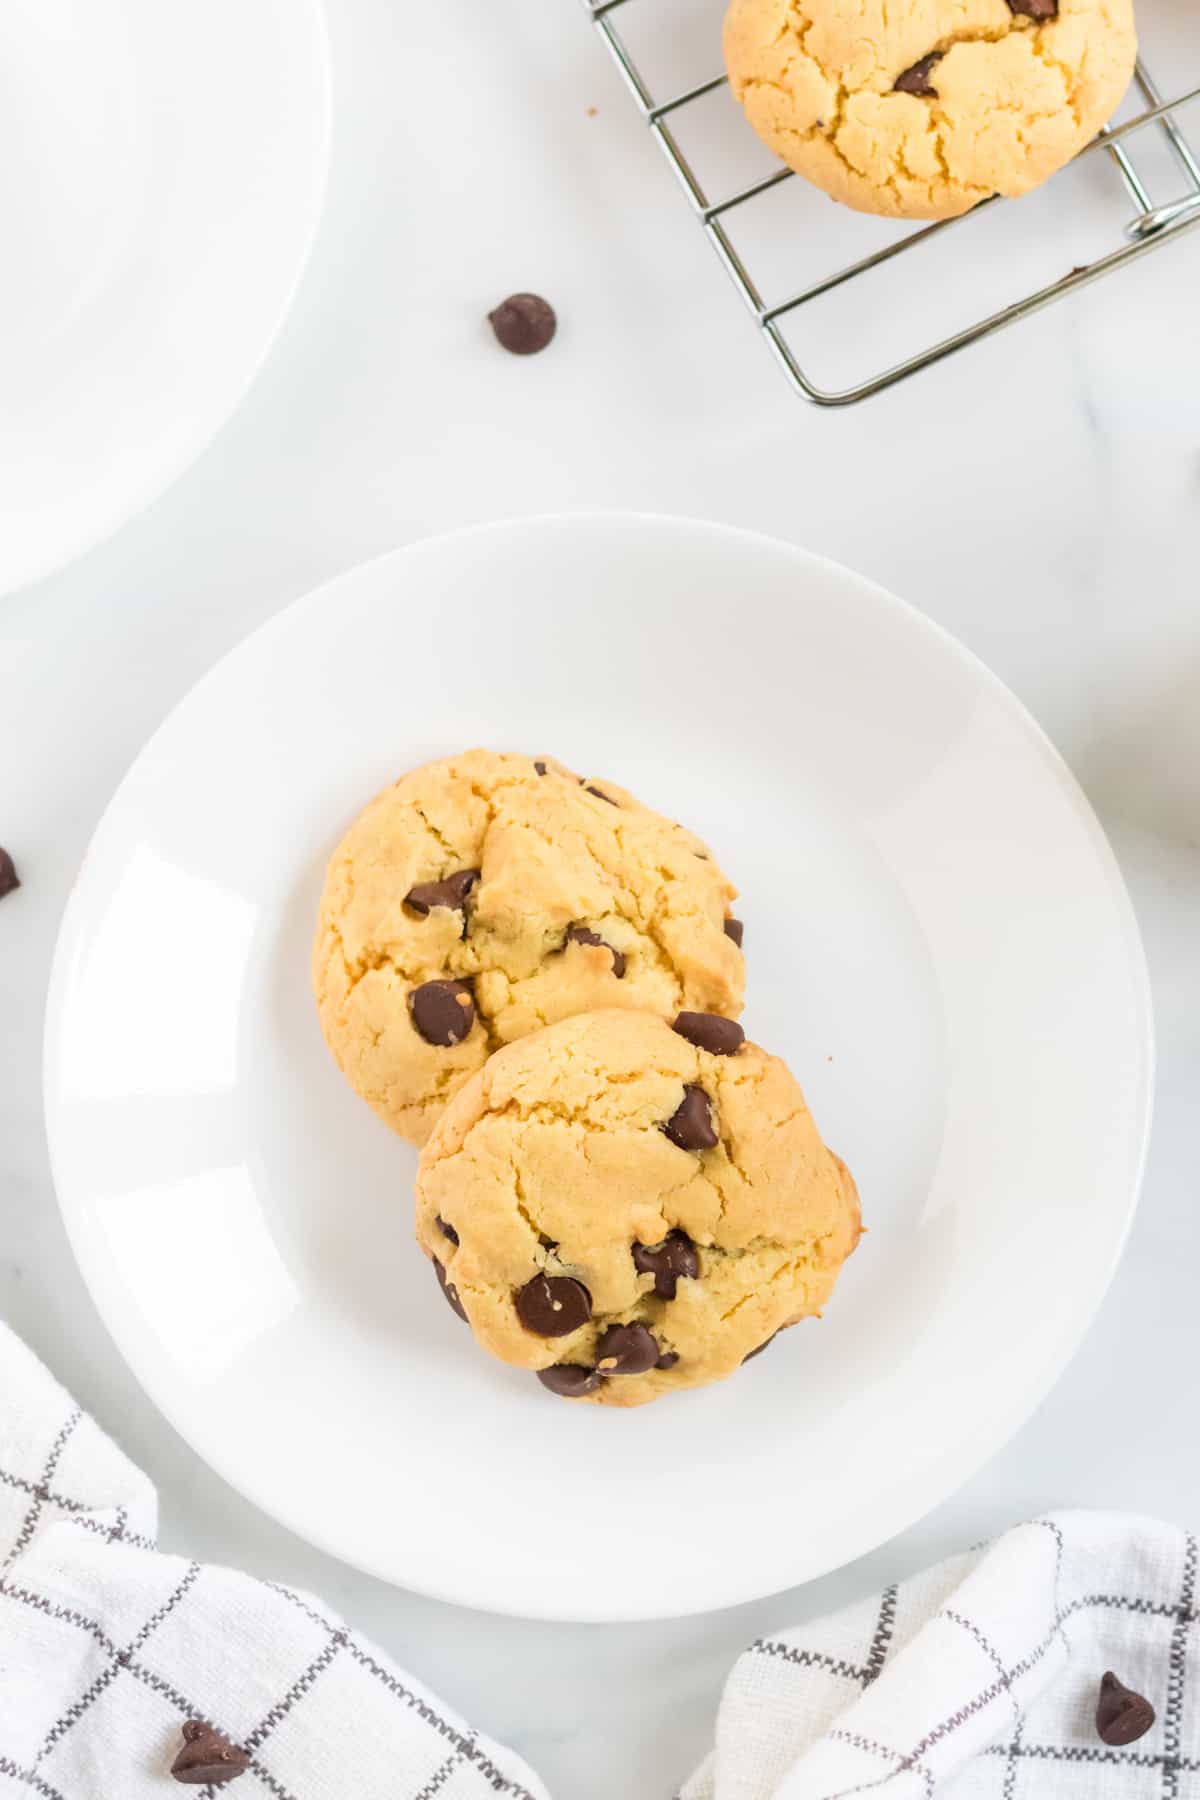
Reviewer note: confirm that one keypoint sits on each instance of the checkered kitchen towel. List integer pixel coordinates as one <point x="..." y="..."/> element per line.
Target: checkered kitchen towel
<point x="978" y="1680"/>
<point x="107" y="1646"/>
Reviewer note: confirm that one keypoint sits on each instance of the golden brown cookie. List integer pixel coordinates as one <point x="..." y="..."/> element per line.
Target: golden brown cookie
<point x="629" y="1207"/>
<point x="921" y="108"/>
<point x="487" y="895"/>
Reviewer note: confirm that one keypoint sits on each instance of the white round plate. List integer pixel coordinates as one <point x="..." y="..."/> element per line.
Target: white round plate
<point x="937" y="939"/>
<point x="161" y="175"/>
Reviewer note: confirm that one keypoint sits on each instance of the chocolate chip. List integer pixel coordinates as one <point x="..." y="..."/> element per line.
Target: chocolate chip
<point x="630" y="1349"/>
<point x="451" y="893"/>
<point x="916" y="80"/>
<point x="447" y="1231"/>
<point x="571" y="1380"/>
<point x="524" y="323"/>
<point x="667" y="1360"/>
<point x="448" y="1288"/>
<point x="671" y="1261"/>
<point x="9" y="879"/>
<point x="553" y="1305"/>
<point x="751" y="1354"/>
<point x="540" y="767"/>
<point x="443" y="1012"/>
<point x="1034" y="9"/>
<point x="690" y="1125"/>
<point x="579" y="934"/>
<point x="207" y="1757"/>
<point x="736" y="930"/>
<point x="599" y="793"/>
<point x="1122" y="1716"/>
<point x="709" y="1031"/>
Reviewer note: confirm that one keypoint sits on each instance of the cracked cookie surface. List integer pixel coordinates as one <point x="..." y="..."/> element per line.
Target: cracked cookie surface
<point x="921" y="108"/>
<point x="480" y="898"/>
<point x="583" y="1241"/>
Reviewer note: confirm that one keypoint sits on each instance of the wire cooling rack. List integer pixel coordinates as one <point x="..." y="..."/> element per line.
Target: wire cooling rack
<point x="1153" y="224"/>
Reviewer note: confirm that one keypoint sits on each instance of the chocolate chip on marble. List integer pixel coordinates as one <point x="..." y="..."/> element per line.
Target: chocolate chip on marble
<point x="627" y="1350"/>
<point x="670" y="1262"/>
<point x="443" y="1012"/>
<point x="916" y="79"/>
<point x="448" y="1288"/>
<point x="667" y="1360"/>
<point x="451" y="893"/>
<point x="1041" y="10"/>
<point x="9" y="879"/>
<point x="207" y="1757"/>
<point x="447" y="1231"/>
<point x="690" y="1125"/>
<point x="711" y="1032"/>
<point x="1122" y="1716"/>
<point x="524" y="323"/>
<point x="736" y="930"/>
<point x="599" y="792"/>
<point x="579" y="934"/>
<point x="553" y="1305"/>
<point x="571" y="1380"/>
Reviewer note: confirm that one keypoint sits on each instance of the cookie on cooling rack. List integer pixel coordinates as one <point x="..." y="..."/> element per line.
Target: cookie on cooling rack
<point x="627" y="1207"/>
<point x="487" y="895"/>
<point x="920" y="108"/>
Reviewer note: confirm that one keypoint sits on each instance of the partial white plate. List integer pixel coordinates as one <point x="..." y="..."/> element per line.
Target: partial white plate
<point x="937" y="939"/>
<point x="161" y="174"/>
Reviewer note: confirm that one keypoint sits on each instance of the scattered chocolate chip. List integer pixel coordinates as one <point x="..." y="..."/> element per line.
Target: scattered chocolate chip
<point x="540" y="767"/>
<point x="447" y="1231"/>
<point x="448" y="1288"/>
<point x="671" y="1261"/>
<point x="1035" y="9"/>
<point x="916" y="80"/>
<point x="9" y="879"/>
<point x="1122" y="1716"/>
<point x="524" y="323"/>
<point x="571" y="1380"/>
<point x="443" y="1012"/>
<point x="553" y="1305"/>
<point x="690" y="1125"/>
<point x="451" y="893"/>
<point x="579" y="934"/>
<point x="207" y="1757"/>
<point x="736" y="930"/>
<point x="599" y="792"/>
<point x="751" y="1354"/>
<point x="667" y="1360"/>
<point x="709" y="1031"/>
<point x="630" y="1349"/>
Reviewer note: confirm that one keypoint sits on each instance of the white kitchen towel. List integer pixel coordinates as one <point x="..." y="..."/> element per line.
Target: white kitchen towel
<point x="978" y="1679"/>
<point x="107" y="1646"/>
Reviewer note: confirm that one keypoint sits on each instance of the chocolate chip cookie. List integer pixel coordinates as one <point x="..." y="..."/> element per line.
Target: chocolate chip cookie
<point x="625" y="1206"/>
<point x="921" y="108"/>
<point x="488" y="895"/>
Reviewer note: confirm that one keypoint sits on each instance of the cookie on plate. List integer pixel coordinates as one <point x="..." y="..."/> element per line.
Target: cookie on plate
<point x="920" y="108"/>
<point x="628" y="1207"/>
<point x="482" y="897"/>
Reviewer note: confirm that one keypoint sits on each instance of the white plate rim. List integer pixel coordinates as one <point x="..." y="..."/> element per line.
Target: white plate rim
<point x="70" y="547"/>
<point x="1001" y="1425"/>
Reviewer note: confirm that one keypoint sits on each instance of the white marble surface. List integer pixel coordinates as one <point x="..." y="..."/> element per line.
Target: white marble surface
<point x="1039" y="496"/>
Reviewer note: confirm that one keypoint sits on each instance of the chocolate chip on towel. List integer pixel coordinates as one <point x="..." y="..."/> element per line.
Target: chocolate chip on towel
<point x="1122" y="1716"/>
<point x="207" y="1757"/>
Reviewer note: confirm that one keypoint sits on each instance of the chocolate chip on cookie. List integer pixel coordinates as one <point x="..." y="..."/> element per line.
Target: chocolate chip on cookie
<point x="626" y="1350"/>
<point x="443" y="1012"/>
<point x="711" y="1032"/>
<point x="448" y="1288"/>
<point x="690" y="1125"/>
<point x="447" y="1231"/>
<point x="9" y="879"/>
<point x="540" y="767"/>
<point x="599" y="792"/>
<point x="667" y="1360"/>
<point x="734" y="929"/>
<point x="916" y="79"/>
<point x="207" y="1757"/>
<point x="1122" y="1716"/>
<point x="524" y="323"/>
<point x="451" y="893"/>
<point x="670" y="1262"/>
<point x="1040" y="10"/>
<point x="553" y="1305"/>
<point x="571" y="1380"/>
<point x="579" y="934"/>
